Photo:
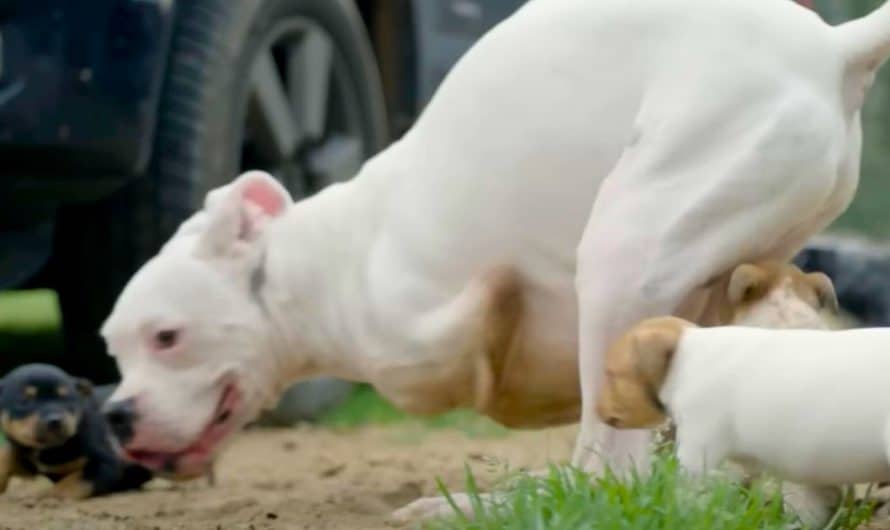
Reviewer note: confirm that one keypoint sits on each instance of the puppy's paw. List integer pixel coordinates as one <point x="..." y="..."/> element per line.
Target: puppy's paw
<point x="69" y="493"/>
<point x="71" y="488"/>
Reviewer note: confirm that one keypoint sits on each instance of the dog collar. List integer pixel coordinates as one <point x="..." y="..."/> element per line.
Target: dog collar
<point x="257" y="282"/>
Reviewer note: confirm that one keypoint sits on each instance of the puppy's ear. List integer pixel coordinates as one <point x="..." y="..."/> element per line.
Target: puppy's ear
<point x="745" y="283"/>
<point x="237" y="214"/>
<point x="824" y="288"/>
<point x="654" y="346"/>
<point x="84" y="387"/>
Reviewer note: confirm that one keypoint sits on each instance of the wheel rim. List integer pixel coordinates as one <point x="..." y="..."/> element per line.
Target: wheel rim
<point x="302" y="118"/>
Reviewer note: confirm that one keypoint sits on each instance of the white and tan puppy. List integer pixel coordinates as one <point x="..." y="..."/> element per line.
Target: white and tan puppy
<point x="809" y="406"/>
<point x="599" y="161"/>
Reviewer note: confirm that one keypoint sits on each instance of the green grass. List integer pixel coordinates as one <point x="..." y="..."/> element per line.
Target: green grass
<point x="367" y="407"/>
<point x="30" y="328"/>
<point x="869" y="214"/>
<point x="29" y="312"/>
<point x="568" y="499"/>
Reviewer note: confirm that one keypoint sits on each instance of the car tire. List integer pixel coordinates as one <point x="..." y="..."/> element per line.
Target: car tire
<point x="205" y="136"/>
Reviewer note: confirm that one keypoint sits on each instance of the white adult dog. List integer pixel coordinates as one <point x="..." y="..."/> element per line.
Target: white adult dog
<point x="596" y="159"/>
<point x="759" y="398"/>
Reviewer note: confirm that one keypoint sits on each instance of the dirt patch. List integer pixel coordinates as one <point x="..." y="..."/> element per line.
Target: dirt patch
<point x="305" y="478"/>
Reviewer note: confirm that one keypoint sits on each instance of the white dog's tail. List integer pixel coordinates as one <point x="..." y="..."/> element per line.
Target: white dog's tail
<point x="867" y="40"/>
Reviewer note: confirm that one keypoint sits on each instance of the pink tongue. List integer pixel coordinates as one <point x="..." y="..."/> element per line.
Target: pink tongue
<point x="193" y="455"/>
<point x="215" y="430"/>
<point x="150" y="460"/>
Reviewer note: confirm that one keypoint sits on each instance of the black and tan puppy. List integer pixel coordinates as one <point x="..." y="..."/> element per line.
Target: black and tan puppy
<point x="54" y="428"/>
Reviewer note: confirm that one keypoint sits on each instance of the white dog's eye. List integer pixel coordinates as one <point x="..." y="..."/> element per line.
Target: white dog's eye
<point x="166" y="339"/>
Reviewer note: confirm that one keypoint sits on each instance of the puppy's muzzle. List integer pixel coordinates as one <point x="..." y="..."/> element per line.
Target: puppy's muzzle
<point x="54" y="424"/>
<point x="54" y="428"/>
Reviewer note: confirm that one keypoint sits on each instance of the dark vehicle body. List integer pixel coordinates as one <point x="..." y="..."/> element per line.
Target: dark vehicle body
<point x="104" y="107"/>
<point x="81" y="82"/>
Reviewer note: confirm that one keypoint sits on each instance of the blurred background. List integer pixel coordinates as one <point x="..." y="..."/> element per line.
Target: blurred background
<point x="116" y="116"/>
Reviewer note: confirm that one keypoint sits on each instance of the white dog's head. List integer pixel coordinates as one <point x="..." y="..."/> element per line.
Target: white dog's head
<point x="187" y="333"/>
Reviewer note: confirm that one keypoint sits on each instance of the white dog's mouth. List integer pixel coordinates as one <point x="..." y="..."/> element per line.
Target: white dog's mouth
<point x="196" y="458"/>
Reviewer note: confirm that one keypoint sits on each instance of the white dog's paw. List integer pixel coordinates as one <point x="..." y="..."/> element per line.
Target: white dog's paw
<point x="813" y="505"/>
<point x="433" y="507"/>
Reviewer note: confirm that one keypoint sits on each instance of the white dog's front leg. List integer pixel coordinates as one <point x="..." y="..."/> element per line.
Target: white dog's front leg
<point x="613" y="295"/>
<point x="601" y="321"/>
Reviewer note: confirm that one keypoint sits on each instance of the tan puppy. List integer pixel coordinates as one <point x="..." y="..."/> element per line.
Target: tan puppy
<point x="739" y="396"/>
<point x="766" y="294"/>
<point x="637" y="366"/>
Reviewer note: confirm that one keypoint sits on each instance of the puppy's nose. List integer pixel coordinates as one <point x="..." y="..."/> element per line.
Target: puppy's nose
<point x="120" y="416"/>
<point x="55" y="423"/>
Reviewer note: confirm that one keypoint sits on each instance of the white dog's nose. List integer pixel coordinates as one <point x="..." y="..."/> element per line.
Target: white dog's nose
<point x="120" y="416"/>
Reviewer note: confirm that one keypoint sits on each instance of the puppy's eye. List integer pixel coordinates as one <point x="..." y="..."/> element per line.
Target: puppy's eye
<point x="166" y="339"/>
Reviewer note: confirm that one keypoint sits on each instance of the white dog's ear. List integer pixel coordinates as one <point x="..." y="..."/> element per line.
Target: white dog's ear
<point x="237" y="214"/>
<point x="745" y="283"/>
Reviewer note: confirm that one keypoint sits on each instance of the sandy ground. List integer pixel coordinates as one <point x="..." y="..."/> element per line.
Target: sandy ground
<point x="304" y="478"/>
